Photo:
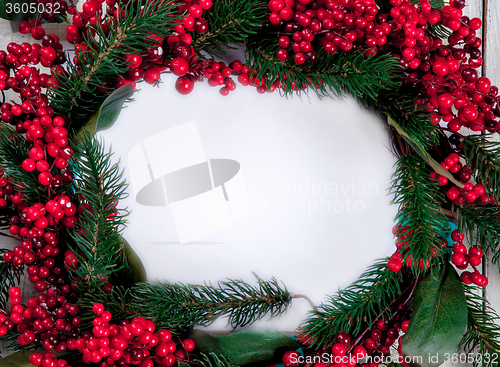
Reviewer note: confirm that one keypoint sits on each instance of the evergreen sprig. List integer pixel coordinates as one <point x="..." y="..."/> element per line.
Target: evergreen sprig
<point x="231" y="23"/>
<point x="483" y="157"/>
<point x="356" y="306"/>
<point x="414" y="120"/>
<point x="330" y="75"/>
<point x="97" y="236"/>
<point x="481" y="223"/>
<point x="207" y="360"/>
<point x="483" y="333"/>
<point x="78" y="94"/>
<point x="14" y="148"/>
<point x="8" y="279"/>
<point x="178" y="306"/>
<point x="419" y="213"/>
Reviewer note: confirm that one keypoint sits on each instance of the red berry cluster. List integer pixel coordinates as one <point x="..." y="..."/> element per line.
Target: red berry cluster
<point x="402" y="243"/>
<point x="469" y="193"/>
<point x="375" y="343"/>
<point x="46" y="320"/>
<point x="129" y="343"/>
<point x="308" y="26"/>
<point x="47" y="360"/>
<point x="461" y="259"/>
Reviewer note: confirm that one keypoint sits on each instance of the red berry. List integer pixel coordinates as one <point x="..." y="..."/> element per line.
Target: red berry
<point x="339" y="349"/>
<point x="184" y="85"/>
<point x="152" y="75"/>
<point x="291" y="359"/>
<point x="179" y="66"/>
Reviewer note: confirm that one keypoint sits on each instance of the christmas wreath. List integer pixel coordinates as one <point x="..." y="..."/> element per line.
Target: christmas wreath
<point x="415" y="61"/>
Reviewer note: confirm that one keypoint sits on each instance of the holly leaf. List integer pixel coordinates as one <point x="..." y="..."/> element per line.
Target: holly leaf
<point x="18" y="10"/>
<point x="244" y="347"/>
<point x="423" y="154"/>
<point x="108" y="113"/>
<point x="134" y="262"/>
<point x="438" y="320"/>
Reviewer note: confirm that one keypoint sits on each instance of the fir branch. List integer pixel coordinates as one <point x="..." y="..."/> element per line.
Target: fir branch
<point x="79" y="94"/>
<point x="97" y="236"/>
<point x="483" y="157"/>
<point x="359" y="304"/>
<point x="178" y="306"/>
<point x="8" y="279"/>
<point x="231" y="23"/>
<point x="419" y="213"/>
<point x="330" y="75"/>
<point x="483" y="333"/>
<point x="14" y="149"/>
<point x="207" y="360"/>
<point x="481" y="223"/>
<point x="415" y="121"/>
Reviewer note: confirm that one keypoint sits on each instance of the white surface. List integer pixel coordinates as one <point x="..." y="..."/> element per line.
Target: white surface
<point x="316" y="174"/>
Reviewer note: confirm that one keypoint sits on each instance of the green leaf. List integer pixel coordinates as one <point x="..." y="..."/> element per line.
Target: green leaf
<point x="17" y="10"/>
<point x="244" y="347"/>
<point x="108" y="113"/>
<point x="423" y="154"/>
<point x="22" y="359"/>
<point x="134" y="262"/>
<point x="438" y="320"/>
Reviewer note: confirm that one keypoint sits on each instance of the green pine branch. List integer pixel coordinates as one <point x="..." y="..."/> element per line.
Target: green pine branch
<point x="414" y="120"/>
<point x="207" y="360"/>
<point x="483" y="157"/>
<point x="79" y="94"/>
<point x="482" y="336"/>
<point x="231" y="23"/>
<point x="356" y="306"/>
<point x="97" y="236"/>
<point x="177" y="306"/>
<point x="8" y="279"/>
<point x="482" y="225"/>
<point x="330" y="75"/>
<point x="14" y="149"/>
<point x="419" y="212"/>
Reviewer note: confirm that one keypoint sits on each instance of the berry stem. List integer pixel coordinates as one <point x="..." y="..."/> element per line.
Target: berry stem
<point x="413" y="286"/>
<point x="13" y="237"/>
<point x="306" y="298"/>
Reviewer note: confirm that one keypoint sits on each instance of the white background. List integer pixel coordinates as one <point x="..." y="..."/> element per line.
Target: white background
<point x="295" y="155"/>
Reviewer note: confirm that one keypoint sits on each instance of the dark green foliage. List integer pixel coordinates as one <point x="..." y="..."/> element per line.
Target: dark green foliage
<point x="356" y="306"/>
<point x="414" y="120"/>
<point x="230" y="23"/>
<point x="483" y="157"/>
<point x="179" y="307"/>
<point x="97" y="240"/>
<point x="8" y="279"/>
<point x="244" y="347"/>
<point x="330" y="75"/>
<point x="190" y="305"/>
<point x="438" y="319"/>
<point x="481" y="223"/>
<point x="419" y="212"/>
<point x="482" y="336"/>
<point x="78" y="95"/>
<point x="208" y="360"/>
<point x="14" y="149"/>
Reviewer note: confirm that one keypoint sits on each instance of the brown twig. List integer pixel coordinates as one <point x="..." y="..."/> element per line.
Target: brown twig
<point x="306" y="298"/>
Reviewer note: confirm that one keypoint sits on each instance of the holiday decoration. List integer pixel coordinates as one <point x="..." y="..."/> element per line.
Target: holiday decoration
<point x="415" y="61"/>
